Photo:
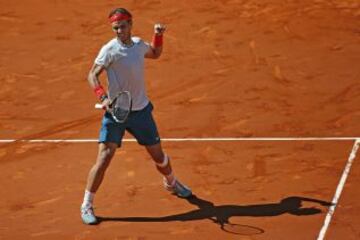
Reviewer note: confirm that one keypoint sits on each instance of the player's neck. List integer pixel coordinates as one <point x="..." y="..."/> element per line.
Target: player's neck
<point x="126" y="42"/>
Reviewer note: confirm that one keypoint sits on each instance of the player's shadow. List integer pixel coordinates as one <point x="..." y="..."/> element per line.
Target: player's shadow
<point x="221" y="214"/>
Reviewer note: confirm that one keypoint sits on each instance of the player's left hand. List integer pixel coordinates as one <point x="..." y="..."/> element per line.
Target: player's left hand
<point x="159" y="28"/>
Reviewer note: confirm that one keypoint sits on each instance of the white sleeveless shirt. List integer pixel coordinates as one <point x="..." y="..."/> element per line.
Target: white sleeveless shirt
<point x="125" y="69"/>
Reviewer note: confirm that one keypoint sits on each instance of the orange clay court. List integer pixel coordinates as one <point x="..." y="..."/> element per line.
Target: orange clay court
<point x="279" y="77"/>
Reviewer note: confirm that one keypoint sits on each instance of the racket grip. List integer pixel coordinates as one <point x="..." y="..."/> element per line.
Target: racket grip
<point x="99" y="106"/>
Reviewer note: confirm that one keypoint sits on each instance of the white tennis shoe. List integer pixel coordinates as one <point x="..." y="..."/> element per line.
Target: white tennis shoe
<point x="87" y="215"/>
<point x="178" y="188"/>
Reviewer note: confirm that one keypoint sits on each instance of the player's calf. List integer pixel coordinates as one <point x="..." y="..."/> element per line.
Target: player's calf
<point x="170" y="182"/>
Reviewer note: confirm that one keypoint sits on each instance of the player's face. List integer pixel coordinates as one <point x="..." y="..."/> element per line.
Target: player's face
<point x="122" y="29"/>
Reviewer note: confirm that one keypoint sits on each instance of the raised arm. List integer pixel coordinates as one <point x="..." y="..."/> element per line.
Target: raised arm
<point x="156" y="46"/>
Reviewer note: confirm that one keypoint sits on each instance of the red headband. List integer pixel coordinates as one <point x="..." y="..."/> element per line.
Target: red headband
<point x="119" y="17"/>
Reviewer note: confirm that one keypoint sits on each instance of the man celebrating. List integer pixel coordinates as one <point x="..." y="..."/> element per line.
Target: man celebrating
<point x="123" y="60"/>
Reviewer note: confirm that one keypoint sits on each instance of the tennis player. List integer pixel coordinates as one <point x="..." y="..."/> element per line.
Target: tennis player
<point x="122" y="58"/>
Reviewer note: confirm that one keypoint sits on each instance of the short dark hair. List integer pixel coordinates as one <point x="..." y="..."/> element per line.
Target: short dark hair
<point x="122" y="11"/>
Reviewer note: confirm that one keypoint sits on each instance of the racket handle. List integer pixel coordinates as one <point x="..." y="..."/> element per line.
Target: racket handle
<point x="99" y="106"/>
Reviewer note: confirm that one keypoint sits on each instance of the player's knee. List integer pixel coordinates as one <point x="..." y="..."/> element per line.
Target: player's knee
<point x="104" y="158"/>
<point x="106" y="150"/>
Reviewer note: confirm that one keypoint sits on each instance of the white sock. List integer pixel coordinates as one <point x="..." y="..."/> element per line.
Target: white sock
<point x="88" y="199"/>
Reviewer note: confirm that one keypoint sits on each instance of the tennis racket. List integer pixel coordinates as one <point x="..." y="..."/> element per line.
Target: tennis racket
<point x="241" y="229"/>
<point x="120" y="106"/>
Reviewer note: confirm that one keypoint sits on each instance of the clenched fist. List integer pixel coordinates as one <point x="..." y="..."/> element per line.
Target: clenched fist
<point x="159" y="28"/>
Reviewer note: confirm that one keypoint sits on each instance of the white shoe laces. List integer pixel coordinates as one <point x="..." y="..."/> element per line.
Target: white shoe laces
<point x="88" y="211"/>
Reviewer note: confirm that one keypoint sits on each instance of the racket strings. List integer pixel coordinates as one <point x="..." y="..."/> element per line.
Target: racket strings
<point x="121" y="107"/>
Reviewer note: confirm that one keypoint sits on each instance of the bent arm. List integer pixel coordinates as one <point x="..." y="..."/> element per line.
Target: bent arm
<point x="156" y="45"/>
<point x="93" y="77"/>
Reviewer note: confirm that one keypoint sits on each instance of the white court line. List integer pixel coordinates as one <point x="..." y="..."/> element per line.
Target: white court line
<point x="214" y="139"/>
<point x="339" y="189"/>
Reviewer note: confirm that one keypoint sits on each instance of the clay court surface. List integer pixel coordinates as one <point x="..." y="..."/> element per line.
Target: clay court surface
<point x="235" y="68"/>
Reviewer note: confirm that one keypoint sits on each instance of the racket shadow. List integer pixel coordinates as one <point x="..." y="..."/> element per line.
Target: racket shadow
<point x="221" y="214"/>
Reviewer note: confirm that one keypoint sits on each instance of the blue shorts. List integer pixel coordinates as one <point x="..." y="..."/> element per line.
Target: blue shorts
<point x="140" y="124"/>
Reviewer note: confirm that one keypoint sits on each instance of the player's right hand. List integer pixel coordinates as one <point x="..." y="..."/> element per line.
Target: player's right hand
<point x="106" y="104"/>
